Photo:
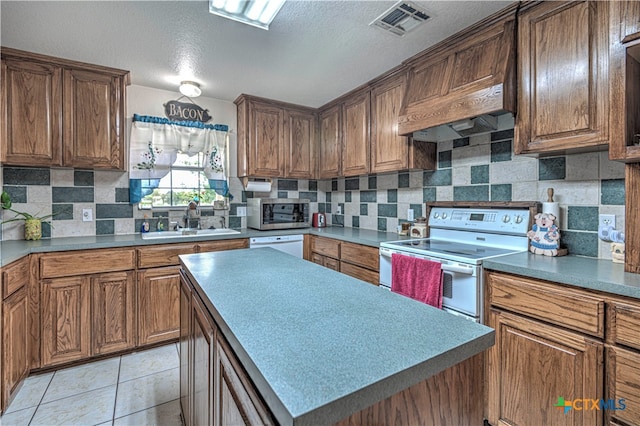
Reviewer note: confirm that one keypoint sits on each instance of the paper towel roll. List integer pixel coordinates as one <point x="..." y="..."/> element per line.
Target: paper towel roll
<point x="554" y="209"/>
<point x="258" y="186"/>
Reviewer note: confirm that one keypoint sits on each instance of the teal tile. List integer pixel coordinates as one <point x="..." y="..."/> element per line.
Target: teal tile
<point x="105" y="227"/>
<point x="26" y="176"/>
<point x="501" y="192"/>
<point x="613" y="192"/>
<point x="582" y="218"/>
<point x="392" y="196"/>
<point x="63" y="194"/>
<point x="337" y="219"/>
<point x="327" y="197"/>
<point x="417" y="209"/>
<point x="313" y="185"/>
<point x="501" y="151"/>
<point x="552" y="168"/>
<point x="382" y="224"/>
<point x="62" y="211"/>
<point x="283" y="194"/>
<point x="18" y="194"/>
<point x="387" y="210"/>
<point x="428" y="194"/>
<point x="347" y="196"/>
<point x="364" y="209"/>
<point x="373" y="182"/>
<point x="480" y="174"/>
<point x="235" y="222"/>
<point x="501" y="135"/>
<point x="368" y="196"/>
<point x="352" y="184"/>
<point x="334" y="184"/>
<point x="287" y="184"/>
<point x="122" y="195"/>
<point x="436" y="177"/>
<point x="580" y="243"/>
<point x="322" y="207"/>
<point x="308" y="195"/>
<point x="459" y="143"/>
<point x="471" y="193"/>
<point x="114" y="211"/>
<point x="403" y="180"/>
<point x="82" y="178"/>
<point x="444" y="159"/>
<point x="355" y="221"/>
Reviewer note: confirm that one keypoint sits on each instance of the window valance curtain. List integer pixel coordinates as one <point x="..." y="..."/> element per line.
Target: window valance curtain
<point x="155" y="143"/>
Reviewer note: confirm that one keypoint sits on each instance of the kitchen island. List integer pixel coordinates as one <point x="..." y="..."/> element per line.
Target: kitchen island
<point x="269" y="338"/>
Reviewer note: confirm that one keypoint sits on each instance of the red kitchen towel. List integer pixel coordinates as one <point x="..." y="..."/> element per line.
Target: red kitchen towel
<point x="419" y="279"/>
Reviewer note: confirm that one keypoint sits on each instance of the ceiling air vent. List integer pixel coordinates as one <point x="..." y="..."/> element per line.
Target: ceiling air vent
<point x="401" y="18"/>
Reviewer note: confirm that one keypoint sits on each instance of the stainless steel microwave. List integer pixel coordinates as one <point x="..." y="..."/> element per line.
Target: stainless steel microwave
<point x="277" y="213"/>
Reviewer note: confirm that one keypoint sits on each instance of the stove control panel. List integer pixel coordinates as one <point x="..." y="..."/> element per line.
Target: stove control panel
<point x="503" y="221"/>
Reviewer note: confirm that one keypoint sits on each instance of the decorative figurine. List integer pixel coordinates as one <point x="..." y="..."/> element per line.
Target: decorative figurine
<point x="544" y="235"/>
<point x="617" y="252"/>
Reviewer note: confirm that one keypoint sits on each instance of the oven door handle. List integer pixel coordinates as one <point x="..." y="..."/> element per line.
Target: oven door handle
<point x="467" y="270"/>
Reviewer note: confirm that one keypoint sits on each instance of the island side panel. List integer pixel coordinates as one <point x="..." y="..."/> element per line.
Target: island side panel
<point x="452" y="397"/>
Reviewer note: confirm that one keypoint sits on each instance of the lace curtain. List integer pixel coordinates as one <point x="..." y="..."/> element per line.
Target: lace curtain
<point x="155" y="143"/>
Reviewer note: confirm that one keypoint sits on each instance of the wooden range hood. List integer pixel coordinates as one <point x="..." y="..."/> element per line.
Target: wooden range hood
<point x="467" y="75"/>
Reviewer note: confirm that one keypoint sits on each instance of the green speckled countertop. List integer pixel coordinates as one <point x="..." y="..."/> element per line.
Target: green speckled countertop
<point x="320" y="345"/>
<point x="583" y="272"/>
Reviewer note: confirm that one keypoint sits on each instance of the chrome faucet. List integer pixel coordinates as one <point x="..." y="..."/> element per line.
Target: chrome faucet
<point x="192" y="214"/>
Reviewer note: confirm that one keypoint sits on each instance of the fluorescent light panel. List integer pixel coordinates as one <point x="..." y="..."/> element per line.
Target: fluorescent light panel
<point x="258" y="13"/>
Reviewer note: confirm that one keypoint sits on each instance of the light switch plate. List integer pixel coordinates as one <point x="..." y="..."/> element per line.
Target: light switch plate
<point x="241" y="211"/>
<point x="410" y="215"/>
<point x="87" y="215"/>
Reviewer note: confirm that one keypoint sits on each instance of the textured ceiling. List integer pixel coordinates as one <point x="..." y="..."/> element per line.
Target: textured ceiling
<point x="314" y="51"/>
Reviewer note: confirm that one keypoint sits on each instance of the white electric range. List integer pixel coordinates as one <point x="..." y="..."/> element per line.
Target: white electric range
<point x="460" y="239"/>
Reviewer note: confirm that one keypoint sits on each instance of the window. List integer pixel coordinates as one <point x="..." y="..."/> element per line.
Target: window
<point x="185" y="180"/>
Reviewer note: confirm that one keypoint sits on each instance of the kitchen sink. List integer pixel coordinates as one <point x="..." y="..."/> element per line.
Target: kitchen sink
<point x="186" y="233"/>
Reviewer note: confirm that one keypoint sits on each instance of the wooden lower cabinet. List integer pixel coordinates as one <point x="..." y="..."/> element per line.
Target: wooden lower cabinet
<point x="185" y="351"/>
<point x="202" y="365"/>
<point x="158" y="305"/>
<point x="15" y="344"/>
<point x="113" y="302"/>
<point x="356" y="260"/>
<point x="66" y="320"/>
<point x="533" y="364"/>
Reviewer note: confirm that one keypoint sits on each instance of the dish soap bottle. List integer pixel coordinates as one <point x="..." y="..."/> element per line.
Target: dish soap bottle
<point x="145" y="225"/>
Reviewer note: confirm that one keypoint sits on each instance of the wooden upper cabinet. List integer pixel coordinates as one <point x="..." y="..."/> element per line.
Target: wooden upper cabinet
<point x="356" y="115"/>
<point x="94" y="119"/>
<point x="32" y="113"/>
<point x="275" y="139"/>
<point x="563" y="81"/>
<point x="61" y="112"/>
<point x="300" y="144"/>
<point x="329" y="164"/>
<point x="624" y="77"/>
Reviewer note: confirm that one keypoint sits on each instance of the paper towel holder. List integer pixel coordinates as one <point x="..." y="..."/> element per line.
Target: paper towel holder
<point x="246" y="181"/>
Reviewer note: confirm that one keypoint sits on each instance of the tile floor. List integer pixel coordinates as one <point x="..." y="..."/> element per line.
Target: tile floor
<point x="141" y="388"/>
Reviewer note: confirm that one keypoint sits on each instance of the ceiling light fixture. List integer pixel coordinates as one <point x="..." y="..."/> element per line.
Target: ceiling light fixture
<point x="258" y="13"/>
<point x="190" y="89"/>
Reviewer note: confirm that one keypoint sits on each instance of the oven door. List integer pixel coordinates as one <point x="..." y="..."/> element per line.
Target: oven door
<point x="462" y="283"/>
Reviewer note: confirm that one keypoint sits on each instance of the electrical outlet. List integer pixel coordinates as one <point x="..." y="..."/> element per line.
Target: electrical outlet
<point x="339" y="209"/>
<point x="410" y="215"/>
<point x="87" y="215"/>
<point x="606" y="220"/>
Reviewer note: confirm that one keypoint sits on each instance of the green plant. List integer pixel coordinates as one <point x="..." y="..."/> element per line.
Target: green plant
<point x="5" y="200"/>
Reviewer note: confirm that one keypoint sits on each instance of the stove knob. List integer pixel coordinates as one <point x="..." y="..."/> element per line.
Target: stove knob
<point x="444" y="215"/>
<point x="519" y="218"/>
<point x="436" y="215"/>
<point x="506" y="218"/>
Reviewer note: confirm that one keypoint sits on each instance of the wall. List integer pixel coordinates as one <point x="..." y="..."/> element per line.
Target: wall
<point x="479" y="168"/>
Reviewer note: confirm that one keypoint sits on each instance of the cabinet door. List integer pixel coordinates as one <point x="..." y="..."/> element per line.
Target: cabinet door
<point x="389" y="151"/>
<point x="113" y="302"/>
<point x="563" y="101"/>
<point x="266" y="138"/>
<point x="236" y="402"/>
<point x="31" y="128"/>
<point x="202" y="393"/>
<point x="623" y="376"/>
<point x="532" y="364"/>
<point x="93" y="120"/>
<point x="185" y="350"/>
<point x="66" y="321"/>
<point x="158" y="305"/>
<point x="15" y="344"/>
<point x="626" y="20"/>
<point x="355" y="135"/>
<point x="300" y="146"/>
<point x="330" y="143"/>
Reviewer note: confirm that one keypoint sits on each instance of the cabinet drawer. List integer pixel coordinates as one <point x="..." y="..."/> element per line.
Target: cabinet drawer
<point x="86" y="262"/>
<point x="331" y="263"/>
<point x="573" y="308"/>
<point x="223" y="245"/>
<point x="361" y="273"/>
<point x="164" y="255"/>
<point x="623" y="371"/>
<point x="358" y="254"/>
<point x="15" y="276"/>
<point x="317" y="258"/>
<point x="624" y="323"/>
<point x="326" y="247"/>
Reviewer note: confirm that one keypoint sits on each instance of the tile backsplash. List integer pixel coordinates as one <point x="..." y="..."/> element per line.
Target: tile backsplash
<point x="479" y="168"/>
